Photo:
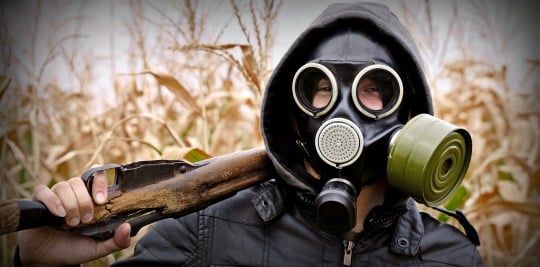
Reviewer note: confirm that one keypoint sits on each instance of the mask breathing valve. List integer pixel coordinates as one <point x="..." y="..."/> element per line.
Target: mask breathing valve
<point x="336" y="205"/>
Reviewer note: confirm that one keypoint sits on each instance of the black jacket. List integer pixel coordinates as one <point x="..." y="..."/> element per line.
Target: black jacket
<point x="267" y="225"/>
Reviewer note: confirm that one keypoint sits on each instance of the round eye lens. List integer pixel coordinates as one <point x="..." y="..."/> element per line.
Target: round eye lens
<point x="314" y="89"/>
<point x="321" y="92"/>
<point x="375" y="89"/>
<point x="378" y="91"/>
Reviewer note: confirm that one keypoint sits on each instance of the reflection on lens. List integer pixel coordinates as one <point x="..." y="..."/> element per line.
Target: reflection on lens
<point x="314" y="89"/>
<point x="378" y="91"/>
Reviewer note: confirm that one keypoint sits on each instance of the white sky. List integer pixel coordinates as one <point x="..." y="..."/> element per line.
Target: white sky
<point x="513" y="22"/>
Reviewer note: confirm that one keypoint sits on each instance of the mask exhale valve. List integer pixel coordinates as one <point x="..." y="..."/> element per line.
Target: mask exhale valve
<point x="336" y="206"/>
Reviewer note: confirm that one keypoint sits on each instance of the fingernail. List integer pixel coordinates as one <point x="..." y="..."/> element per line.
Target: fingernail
<point x="87" y="217"/>
<point x="61" y="211"/>
<point x="100" y="198"/>
<point x="74" y="221"/>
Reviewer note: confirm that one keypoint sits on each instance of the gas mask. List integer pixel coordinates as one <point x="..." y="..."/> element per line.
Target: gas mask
<point x="352" y="137"/>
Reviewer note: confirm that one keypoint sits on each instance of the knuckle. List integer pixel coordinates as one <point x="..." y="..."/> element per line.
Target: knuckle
<point x="38" y="190"/>
<point x="75" y="181"/>
<point x="85" y="203"/>
<point x="44" y="194"/>
<point x="61" y="184"/>
<point x="71" y="209"/>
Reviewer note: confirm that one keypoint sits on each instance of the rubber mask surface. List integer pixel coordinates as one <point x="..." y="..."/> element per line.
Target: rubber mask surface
<point x="375" y="90"/>
<point x="351" y="108"/>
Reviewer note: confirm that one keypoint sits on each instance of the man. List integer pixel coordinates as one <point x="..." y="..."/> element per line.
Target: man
<point x="331" y="109"/>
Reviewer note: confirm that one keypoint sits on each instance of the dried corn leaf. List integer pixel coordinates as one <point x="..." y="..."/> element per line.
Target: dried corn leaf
<point x="21" y="158"/>
<point x="175" y="87"/>
<point x="4" y="84"/>
<point x="250" y="65"/>
<point x="174" y="152"/>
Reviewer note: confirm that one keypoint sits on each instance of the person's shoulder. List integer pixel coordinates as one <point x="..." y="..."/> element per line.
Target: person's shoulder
<point x="241" y="207"/>
<point x="441" y="231"/>
<point x="432" y="226"/>
<point x="443" y="242"/>
<point x="244" y="205"/>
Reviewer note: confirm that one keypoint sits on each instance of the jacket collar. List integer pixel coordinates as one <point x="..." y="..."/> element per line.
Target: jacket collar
<point x="269" y="202"/>
<point x="408" y="232"/>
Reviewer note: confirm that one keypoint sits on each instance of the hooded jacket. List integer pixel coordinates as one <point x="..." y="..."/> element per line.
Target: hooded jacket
<point x="273" y="223"/>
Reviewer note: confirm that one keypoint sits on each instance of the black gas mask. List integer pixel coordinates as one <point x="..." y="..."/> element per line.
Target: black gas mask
<point x="352" y="137"/>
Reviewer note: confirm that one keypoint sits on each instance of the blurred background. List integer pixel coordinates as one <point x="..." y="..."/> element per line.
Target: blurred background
<point x="96" y="82"/>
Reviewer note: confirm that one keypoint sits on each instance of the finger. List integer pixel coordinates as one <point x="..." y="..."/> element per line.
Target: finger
<point x="86" y="206"/>
<point x="99" y="187"/>
<point x="120" y="240"/>
<point x="50" y="199"/>
<point x="64" y="191"/>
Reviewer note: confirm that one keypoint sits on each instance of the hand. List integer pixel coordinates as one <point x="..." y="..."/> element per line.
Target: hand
<point x="70" y="199"/>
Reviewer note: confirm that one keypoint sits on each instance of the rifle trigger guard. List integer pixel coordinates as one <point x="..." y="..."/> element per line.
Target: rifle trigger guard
<point x="88" y="175"/>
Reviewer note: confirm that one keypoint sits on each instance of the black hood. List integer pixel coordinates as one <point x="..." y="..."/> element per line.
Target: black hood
<point x="373" y="19"/>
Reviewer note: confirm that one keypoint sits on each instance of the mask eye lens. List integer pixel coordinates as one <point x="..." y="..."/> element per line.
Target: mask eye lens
<point x="314" y="89"/>
<point x="369" y="94"/>
<point x="378" y="91"/>
<point x="322" y="92"/>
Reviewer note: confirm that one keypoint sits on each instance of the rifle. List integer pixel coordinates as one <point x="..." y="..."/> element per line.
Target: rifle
<point x="147" y="191"/>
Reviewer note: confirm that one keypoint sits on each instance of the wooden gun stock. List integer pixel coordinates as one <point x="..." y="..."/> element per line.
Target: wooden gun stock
<point x="135" y="197"/>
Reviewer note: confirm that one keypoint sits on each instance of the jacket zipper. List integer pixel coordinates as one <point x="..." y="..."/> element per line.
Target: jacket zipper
<point x="348" y="245"/>
<point x="347" y="255"/>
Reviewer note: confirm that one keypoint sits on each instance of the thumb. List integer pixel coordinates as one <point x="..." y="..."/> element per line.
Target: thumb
<point x="99" y="187"/>
<point x="120" y="240"/>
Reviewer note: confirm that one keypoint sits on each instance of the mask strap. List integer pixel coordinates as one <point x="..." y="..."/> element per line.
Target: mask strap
<point x="301" y="144"/>
<point x="300" y="141"/>
<point x="460" y="217"/>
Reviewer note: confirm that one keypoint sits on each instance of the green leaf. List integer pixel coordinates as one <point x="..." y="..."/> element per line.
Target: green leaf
<point x="458" y="198"/>
<point x="506" y="176"/>
<point x="195" y="155"/>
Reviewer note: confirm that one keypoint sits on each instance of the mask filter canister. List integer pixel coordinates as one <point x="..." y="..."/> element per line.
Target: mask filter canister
<point x="428" y="159"/>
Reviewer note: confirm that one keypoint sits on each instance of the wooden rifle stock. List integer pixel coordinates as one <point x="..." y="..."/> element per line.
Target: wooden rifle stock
<point x="136" y="197"/>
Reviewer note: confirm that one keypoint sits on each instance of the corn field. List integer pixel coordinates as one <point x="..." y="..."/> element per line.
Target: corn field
<point x="180" y="82"/>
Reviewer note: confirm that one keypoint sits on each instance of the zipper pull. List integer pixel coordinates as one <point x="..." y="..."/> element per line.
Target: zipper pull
<point x="347" y="256"/>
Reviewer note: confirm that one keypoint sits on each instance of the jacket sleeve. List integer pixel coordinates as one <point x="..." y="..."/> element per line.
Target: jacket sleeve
<point x="170" y="242"/>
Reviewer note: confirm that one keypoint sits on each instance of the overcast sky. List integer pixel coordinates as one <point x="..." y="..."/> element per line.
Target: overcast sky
<point x="515" y="23"/>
